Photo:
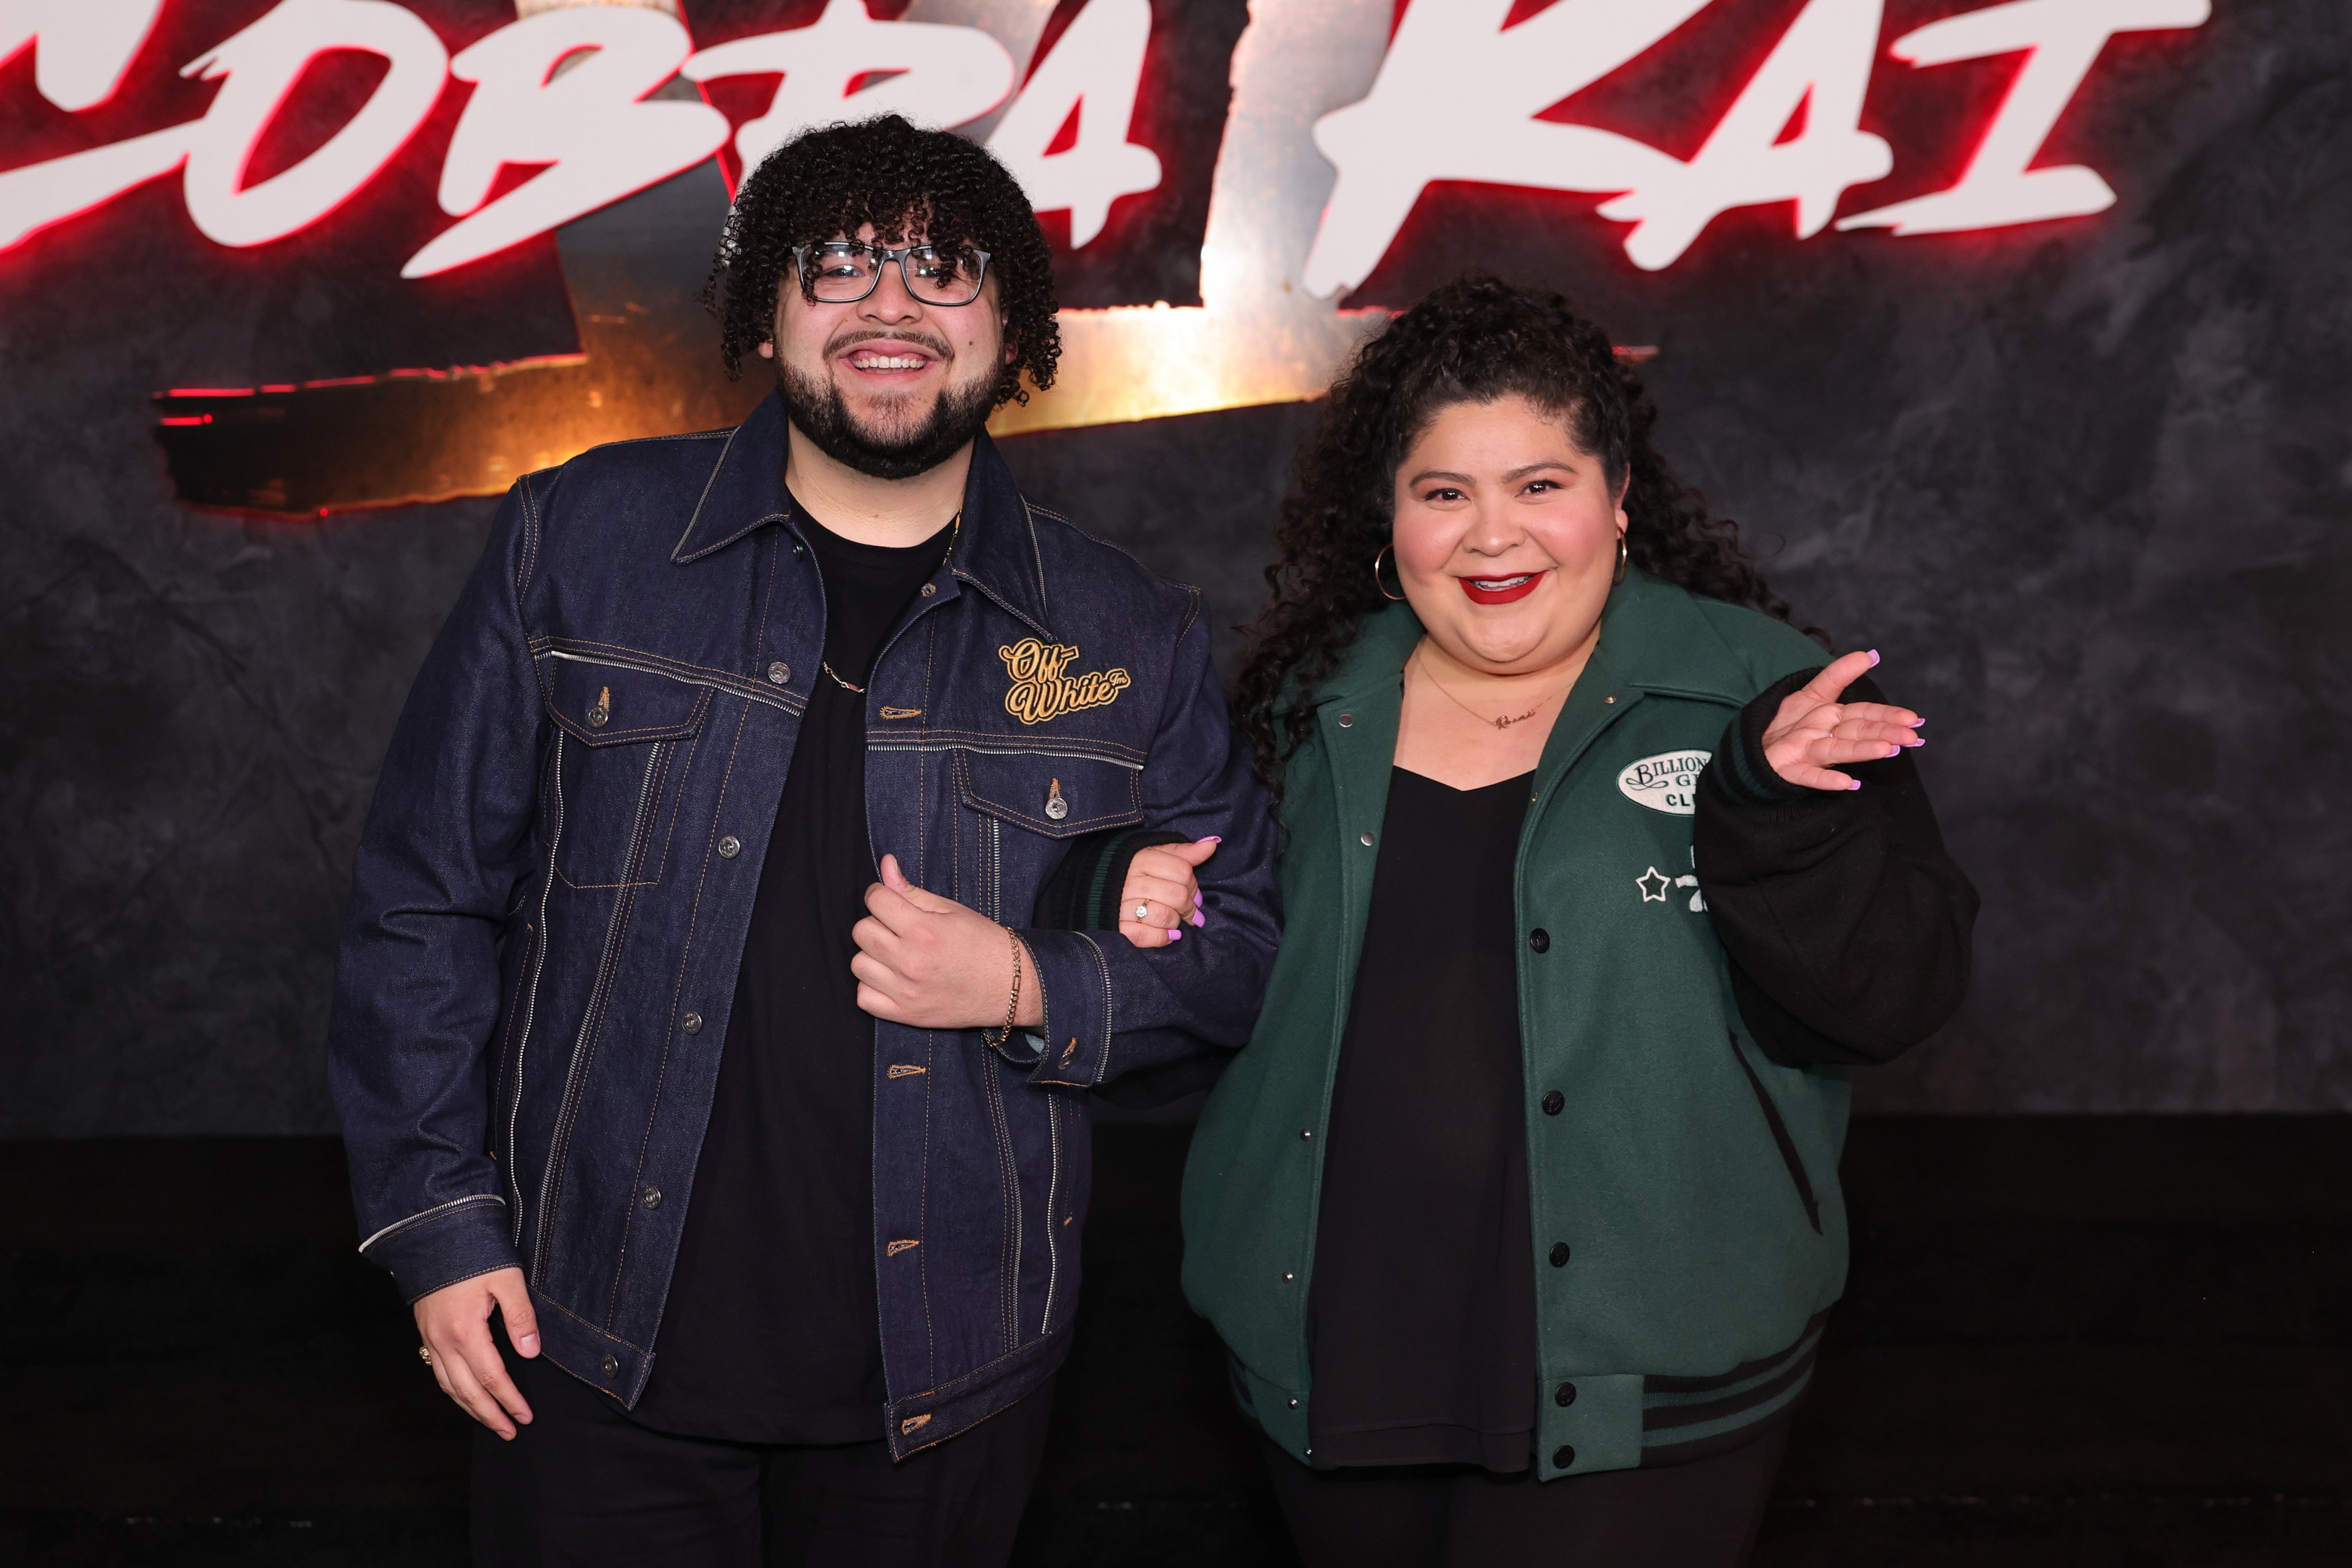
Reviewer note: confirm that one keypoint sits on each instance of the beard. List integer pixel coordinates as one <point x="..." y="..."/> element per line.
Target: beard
<point x="816" y="407"/>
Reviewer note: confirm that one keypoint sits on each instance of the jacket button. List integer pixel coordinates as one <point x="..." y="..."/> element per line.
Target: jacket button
<point x="1563" y="1457"/>
<point x="1365" y="839"/>
<point x="730" y="846"/>
<point x="652" y="1198"/>
<point x="1294" y="1405"/>
<point x="1540" y="939"/>
<point x="1554" y="1103"/>
<point x="1347" y="720"/>
<point x="1287" y="1277"/>
<point x="779" y="673"/>
<point x="692" y="1024"/>
<point x="1560" y="1255"/>
<point x="1565" y="1394"/>
<point x="1306" y="1133"/>
<point x="611" y="1365"/>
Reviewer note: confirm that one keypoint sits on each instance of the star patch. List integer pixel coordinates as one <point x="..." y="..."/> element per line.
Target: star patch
<point x="1653" y="884"/>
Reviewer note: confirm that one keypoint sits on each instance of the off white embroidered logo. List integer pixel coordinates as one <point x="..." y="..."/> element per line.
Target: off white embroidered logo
<point x="1041" y="691"/>
<point x="1667" y="781"/>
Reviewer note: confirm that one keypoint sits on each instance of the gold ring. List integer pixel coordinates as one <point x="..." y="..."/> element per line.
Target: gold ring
<point x="425" y="1354"/>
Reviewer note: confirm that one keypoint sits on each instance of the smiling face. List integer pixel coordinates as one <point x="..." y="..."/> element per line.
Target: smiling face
<point x="1506" y="536"/>
<point x="888" y="385"/>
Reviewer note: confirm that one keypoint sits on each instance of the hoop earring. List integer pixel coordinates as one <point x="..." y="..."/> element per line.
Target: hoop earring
<point x="1620" y="577"/>
<point x="1383" y="587"/>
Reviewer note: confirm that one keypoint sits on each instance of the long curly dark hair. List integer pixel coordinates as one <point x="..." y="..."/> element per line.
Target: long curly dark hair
<point x="831" y="182"/>
<point x="1472" y="340"/>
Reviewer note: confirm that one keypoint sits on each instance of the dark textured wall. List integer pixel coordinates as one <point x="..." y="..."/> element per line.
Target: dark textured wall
<point x="2086" y="485"/>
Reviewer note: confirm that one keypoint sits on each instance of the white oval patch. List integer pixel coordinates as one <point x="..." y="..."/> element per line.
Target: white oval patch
<point x="1667" y="781"/>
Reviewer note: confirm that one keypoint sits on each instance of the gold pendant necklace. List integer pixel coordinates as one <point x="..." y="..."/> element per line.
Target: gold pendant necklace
<point x="1431" y="676"/>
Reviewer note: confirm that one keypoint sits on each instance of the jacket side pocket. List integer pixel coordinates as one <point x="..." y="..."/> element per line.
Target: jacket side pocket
<point x="1787" y="1145"/>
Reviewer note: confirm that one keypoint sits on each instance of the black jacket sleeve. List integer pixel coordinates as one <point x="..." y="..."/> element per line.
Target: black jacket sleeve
<point x="1847" y="924"/>
<point x="1083" y="894"/>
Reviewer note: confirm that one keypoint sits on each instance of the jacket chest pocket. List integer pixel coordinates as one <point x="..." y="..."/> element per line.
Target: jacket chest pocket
<point x="1023" y="809"/>
<point x="623" y="738"/>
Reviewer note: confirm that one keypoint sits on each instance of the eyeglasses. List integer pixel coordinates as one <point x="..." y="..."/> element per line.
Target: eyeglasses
<point x="844" y="271"/>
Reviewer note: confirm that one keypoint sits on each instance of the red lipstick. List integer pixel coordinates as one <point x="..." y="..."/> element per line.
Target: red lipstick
<point x="1520" y="584"/>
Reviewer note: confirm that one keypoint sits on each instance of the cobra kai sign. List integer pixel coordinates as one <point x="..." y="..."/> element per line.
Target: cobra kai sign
<point x="1342" y="114"/>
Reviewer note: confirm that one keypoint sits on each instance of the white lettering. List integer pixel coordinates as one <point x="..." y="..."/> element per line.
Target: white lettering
<point x="588" y="124"/>
<point x="944" y="75"/>
<point x="2064" y="37"/>
<point x="81" y="49"/>
<point x="1092" y="73"/>
<point x="1820" y="69"/>
<point x="1456" y="99"/>
<point x="262" y="65"/>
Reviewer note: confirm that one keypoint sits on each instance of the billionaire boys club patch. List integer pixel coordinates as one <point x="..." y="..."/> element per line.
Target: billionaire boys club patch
<point x="1667" y="781"/>
<point x="1041" y="691"/>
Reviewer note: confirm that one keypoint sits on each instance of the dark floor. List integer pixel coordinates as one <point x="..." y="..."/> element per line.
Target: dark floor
<point x="2079" y="1342"/>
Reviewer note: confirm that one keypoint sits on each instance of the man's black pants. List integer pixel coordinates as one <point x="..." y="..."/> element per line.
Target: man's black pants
<point x="583" y="1486"/>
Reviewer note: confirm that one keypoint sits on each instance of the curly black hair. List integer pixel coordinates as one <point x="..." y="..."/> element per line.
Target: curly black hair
<point x="831" y="182"/>
<point x="1471" y="340"/>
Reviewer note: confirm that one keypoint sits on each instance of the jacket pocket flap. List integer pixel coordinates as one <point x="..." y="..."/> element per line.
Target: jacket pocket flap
<point x="1060" y="797"/>
<point x="612" y="705"/>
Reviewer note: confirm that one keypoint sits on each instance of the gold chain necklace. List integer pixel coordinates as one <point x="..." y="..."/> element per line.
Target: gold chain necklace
<point x="955" y="526"/>
<point x="1431" y="676"/>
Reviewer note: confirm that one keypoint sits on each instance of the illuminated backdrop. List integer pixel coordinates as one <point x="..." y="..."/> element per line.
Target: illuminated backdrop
<point x="2017" y="335"/>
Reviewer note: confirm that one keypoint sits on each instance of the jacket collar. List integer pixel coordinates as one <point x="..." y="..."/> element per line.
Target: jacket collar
<point x="1653" y="638"/>
<point x="996" y="548"/>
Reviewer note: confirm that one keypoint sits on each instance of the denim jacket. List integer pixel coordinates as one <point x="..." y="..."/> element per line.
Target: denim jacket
<point x="551" y="896"/>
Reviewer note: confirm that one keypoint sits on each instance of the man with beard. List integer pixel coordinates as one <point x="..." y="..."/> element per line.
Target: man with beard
<point x="791" y="828"/>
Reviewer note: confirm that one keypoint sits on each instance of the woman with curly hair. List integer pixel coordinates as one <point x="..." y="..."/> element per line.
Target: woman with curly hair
<point x="1519" y="1214"/>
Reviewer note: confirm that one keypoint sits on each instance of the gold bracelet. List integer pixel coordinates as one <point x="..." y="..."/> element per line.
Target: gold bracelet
<point x="1012" y="1002"/>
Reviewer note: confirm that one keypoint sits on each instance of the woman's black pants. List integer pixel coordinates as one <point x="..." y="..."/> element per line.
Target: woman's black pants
<point x="1702" y="1514"/>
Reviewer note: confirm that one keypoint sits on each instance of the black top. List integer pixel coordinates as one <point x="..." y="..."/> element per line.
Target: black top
<point x="772" y="1333"/>
<point x="1421" y="1320"/>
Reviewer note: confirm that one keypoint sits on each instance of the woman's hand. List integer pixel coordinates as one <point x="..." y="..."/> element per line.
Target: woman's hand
<point x="1160" y="881"/>
<point x="1814" y="732"/>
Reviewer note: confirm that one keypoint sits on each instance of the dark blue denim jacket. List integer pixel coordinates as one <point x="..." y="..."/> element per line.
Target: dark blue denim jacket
<point x="551" y="892"/>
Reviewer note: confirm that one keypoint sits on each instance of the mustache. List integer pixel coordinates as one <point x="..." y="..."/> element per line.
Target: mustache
<point x="938" y="348"/>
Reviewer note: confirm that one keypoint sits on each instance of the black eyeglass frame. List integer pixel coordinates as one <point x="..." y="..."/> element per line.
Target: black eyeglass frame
<point x="883" y="257"/>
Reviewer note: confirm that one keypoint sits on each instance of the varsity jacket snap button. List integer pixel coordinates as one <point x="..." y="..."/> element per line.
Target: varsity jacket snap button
<point x="1554" y="1103"/>
<point x="1560" y="1255"/>
<point x="779" y="673"/>
<point x="1540" y="939"/>
<point x="730" y="847"/>
<point x="1365" y="839"/>
<point x="1563" y="1457"/>
<point x="1347" y="720"/>
<point x="1565" y="1394"/>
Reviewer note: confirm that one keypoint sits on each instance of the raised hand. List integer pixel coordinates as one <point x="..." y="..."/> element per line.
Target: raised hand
<point x="930" y="962"/>
<point x="1160" y="880"/>
<point x="1814" y="732"/>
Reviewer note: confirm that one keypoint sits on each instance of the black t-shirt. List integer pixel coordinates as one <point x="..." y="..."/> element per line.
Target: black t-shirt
<point x="1422" y="1320"/>
<point x="772" y="1333"/>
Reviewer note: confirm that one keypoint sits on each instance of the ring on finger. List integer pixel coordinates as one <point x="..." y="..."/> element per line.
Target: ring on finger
<point x="425" y="1354"/>
<point x="1142" y="910"/>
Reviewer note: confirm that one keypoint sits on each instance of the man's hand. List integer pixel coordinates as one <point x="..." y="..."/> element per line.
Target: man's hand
<point x="1161" y="879"/>
<point x="1813" y="731"/>
<point x="929" y="962"/>
<point x="454" y="1324"/>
